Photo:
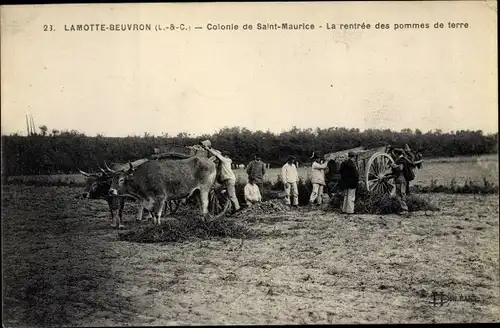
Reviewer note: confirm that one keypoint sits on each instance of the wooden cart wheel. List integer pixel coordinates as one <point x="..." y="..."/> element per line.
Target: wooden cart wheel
<point x="377" y="176"/>
<point x="218" y="202"/>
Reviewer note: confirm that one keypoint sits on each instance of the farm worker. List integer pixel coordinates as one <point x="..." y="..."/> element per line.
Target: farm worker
<point x="290" y="177"/>
<point x="400" y="166"/>
<point x="349" y="178"/>
<point x="252" y="192"/>
<point x="410" y="156"/>
<point x="408" y="152"/>
<point x="389" y="149"/>
<point x="332" y="176"/>
<point x="256" y="171"/>
<point x="226" y="174"/>
<point x="317" y="179"/>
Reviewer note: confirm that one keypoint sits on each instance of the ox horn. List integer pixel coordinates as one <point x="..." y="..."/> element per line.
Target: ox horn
<point x="85" y="173"/>
<point x="102" y="170"/>
<point x="107" y="167"/>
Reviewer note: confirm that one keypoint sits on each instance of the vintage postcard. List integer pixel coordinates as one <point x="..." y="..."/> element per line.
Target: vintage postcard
<point x="249" y="163"/>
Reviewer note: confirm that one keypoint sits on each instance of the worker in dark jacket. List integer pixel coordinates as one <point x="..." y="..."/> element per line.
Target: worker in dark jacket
<point x="400" y="170"/>
<point x="410" y="169"/>
<point x="349" y="178"/>
<point x="332" y="177"/>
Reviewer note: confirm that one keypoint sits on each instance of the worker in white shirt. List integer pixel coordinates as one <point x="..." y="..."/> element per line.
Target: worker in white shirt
<point x="290" y="177"/>
<point x="252" y="192"/>
<point x="317" y="179"/>
<point x="226" y="174"/>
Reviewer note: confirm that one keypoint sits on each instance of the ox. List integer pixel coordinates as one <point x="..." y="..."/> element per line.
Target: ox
<point x="155" y="182"/>
<point x="97" y="187"/>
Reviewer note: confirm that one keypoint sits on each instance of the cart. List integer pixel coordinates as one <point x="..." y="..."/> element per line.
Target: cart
<point x="218" y="201"/>
<point x="374" y="167"/>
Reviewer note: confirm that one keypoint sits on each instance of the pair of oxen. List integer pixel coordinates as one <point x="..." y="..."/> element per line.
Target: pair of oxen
<point x="98" y="185"/>
<point x="151" y="182"/>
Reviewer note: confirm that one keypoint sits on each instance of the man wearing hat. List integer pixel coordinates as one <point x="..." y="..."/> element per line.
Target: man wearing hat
<point x="317" y="179"/>
<point x="349" y="178"/>
<point x="227" y="176"/>
<point x="256" y="171"/>
<point x="290" y="177"/>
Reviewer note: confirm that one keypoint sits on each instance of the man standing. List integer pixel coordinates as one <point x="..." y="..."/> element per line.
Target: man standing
<point x="349" y="178"/>
<point x="252" y="193"/>
<point x="408" y="152"/>
<point x="290" y="177"/>
<point x="317" y="179"/>
<point x="256" y="171"/>
<point x="332" y="177"/>
<point x="410" y="170"/>
<point x="227" y="176"/>
<point x="399" y="170"/>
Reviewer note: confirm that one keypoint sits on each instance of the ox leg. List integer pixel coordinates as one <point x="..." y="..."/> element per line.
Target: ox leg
<point x="198" y="201"/>
<point x="120" y="213"/>
<point x="139" y="214"/>
<point x="111" y="211"/>
<point x="159" y="206"/>
<point x="112" y="203"/>
<point x="148" y="215"/>
<point x="204" y="203"/>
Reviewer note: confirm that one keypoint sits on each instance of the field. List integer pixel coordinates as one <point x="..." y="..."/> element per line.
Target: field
<point x="64" y="265"/>
<point x="441" y="170"/>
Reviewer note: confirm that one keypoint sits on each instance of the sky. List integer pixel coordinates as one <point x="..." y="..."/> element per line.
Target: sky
<point x="120" y="83"/>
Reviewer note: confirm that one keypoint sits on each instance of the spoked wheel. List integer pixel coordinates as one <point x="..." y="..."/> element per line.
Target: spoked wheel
<point x="218" y="202"/>
<point x="378" y="174"/>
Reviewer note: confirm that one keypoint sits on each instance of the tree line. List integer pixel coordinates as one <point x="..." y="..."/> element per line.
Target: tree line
<point x="66" y="151"/>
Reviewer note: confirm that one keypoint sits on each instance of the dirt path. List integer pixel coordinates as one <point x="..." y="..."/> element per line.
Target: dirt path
<point x="64" y="265"/>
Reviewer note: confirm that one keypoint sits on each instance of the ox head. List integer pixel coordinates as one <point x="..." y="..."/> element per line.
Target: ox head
<point x="96" y="185"/>
<point x="119" y="181"/>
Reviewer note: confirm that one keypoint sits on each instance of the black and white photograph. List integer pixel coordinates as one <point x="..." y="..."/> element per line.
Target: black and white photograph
<point x="249" y="163"/>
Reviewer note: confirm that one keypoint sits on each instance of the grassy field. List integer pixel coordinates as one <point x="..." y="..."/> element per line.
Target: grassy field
<point x="64" y="265"/>
<point x="442" y="170"/>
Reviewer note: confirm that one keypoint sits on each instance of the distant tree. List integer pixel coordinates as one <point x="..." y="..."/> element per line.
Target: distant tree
<point x="55" y="132"/>
<point x="72" y="150"/>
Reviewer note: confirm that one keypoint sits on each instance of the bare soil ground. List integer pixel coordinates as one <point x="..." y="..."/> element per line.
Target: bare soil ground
<point x="64" y="265"/>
